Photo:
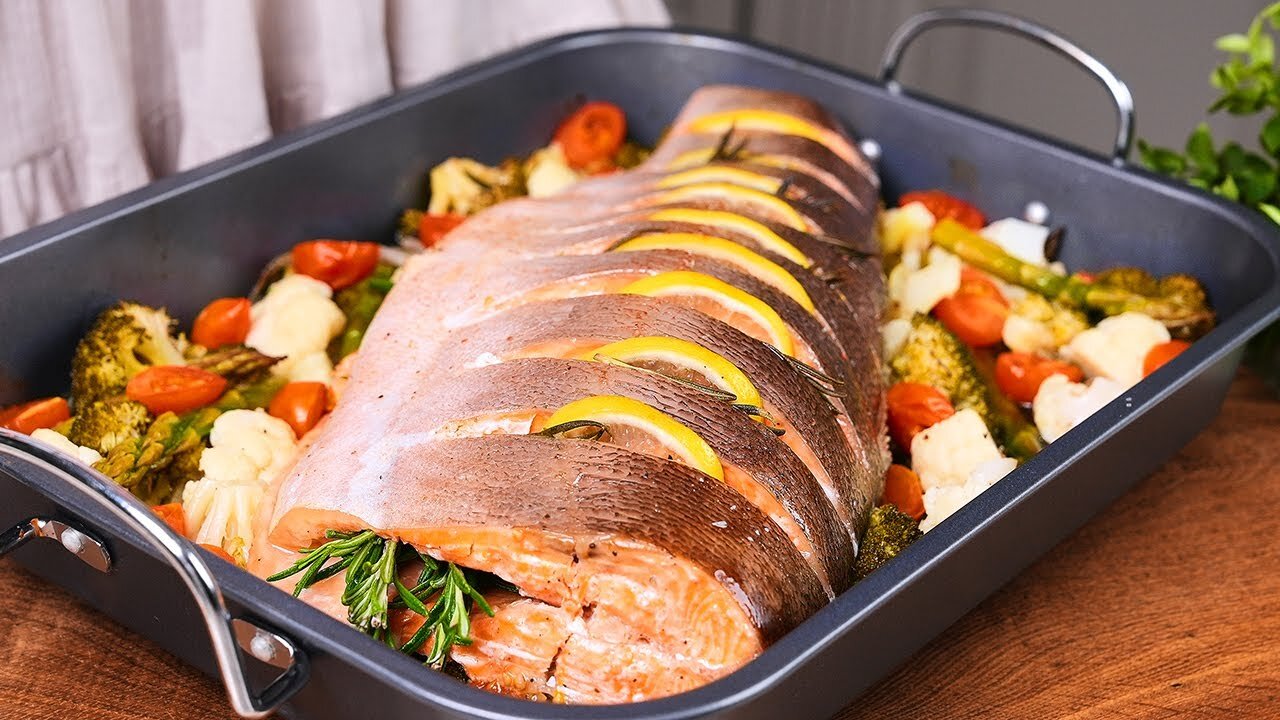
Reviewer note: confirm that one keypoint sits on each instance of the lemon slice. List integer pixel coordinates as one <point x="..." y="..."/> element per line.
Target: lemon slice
<point x="722" y="301"/>
<point x="758" y="231"/>
<point x="682" y="360"/>
<point x="694" y="158"/>
<point x="751" y="119"/>
<point x="753" y="263"/>
<point x="640" y="428"/>
<point x="769" y="204"/>
<point x="722" y="173"/>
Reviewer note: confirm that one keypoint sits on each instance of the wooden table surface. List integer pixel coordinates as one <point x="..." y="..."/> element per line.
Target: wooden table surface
<point x="1166" y="605"/>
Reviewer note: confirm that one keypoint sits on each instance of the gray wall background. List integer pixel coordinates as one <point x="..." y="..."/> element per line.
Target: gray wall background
<point x="1163" y="49"/>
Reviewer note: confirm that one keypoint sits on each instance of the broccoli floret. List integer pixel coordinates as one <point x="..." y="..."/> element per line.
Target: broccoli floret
<point x="889" y="532"/>
<point x="103" y="424"/>
<point x="156" y="465"/>
<point x="932" y="355"/>
<point x="236" y="363"/>
<point x="124" y="340"/>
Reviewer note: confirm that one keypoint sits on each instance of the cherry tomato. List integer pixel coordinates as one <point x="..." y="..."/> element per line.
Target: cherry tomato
<point x="432" y="227"/>
<point x="172" y="515"/>
<point x="1161" y="354"/>
<point x="976" y="312"/>
<point x="224" y="321"/>
<point x="943" y="205"/>
<point x="914" y="407"/>
<point x="1019" y="375"/>
<point x="218" y="552"/>
<point x="301" y="404"/>
<point x="340" y="263"/>
<point x="902" y="489"/>
<point x="592" y="135"/>
<point x="175" y="388"/>
<point x="35" y="415"/>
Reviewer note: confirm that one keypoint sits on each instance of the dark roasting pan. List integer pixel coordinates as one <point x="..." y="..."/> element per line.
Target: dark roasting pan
<point x="206" y="233"/>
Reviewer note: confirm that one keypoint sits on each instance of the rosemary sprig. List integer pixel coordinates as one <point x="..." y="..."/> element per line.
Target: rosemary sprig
<point x="727" y="152"/>
<point x="825" y="384"/>
<point x="371" y="563"/>
<point x="599" y="429"/>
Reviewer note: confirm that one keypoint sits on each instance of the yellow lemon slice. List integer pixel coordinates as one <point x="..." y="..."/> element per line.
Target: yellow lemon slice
<point x="769" y="204"/>
<point x="758" y="231"/>
<point x="753" y="263"/>
<point x="640" y="428"/>
<point x="722" y="301"/>
<point x="767" y="120"/>
<point x="682" y="360"/>
<point x="722" y="173"/>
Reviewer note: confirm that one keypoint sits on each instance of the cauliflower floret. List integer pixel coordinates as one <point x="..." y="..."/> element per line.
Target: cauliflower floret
<point x="947" y="453"/>
<point x="894" y="334"/>
<point x="548" y="173"/>
<point x="309" y="367"/>
<point x="222" y="514"/>
<point x="1019" y="238"/>
<point x="296" y="318"/>
<point x="1025" y="335"/>
<point x="905" y="227"/>
<point x="248" y="447"/>
<point x="1117" y="346"/>
<point x="1060" y="404"/>
<point x="941" y="502"/>
<point x="929" y="285"/>
<point x="59" y="442"/>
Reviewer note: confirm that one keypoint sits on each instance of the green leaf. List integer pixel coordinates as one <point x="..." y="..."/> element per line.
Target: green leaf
<point x="1161" y="160"/>
<point x="1263" y="52"/>
<point x="1200" y="150"/>
<point x="1270" y="135"/>
<point x="1233" y="43"/>
<point x="1271" y="211"/>
<point x="1227" y="189"/>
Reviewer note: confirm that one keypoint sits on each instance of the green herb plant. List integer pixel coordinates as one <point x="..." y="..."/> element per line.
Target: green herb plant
<point x="1249" y="85"/>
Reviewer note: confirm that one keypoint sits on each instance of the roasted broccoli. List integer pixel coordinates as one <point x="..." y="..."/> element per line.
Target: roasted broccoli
<point x="933" y="356"/>
<point x="155" y="466"/>
<point x="1063" y="322"/>
<point x="465" y="187"/>
<point x="889" y="532"/>
<point x="236" y="363"/>
<point x="124" y="340"/>
<point x="103" y="424"/>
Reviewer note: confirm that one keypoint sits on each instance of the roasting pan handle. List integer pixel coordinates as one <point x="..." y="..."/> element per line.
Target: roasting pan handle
<point x="918" y="24"/>
<point x="225" y="632"/>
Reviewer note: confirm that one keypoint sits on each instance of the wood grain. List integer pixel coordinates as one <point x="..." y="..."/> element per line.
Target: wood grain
<point x="1167" y="605"/>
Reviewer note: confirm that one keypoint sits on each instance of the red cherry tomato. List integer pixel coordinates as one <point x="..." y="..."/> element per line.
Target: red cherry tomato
<point x="340" y="263"/>
<point x="1019" y="375"/>
<point x="35" y="415"/>
<point x="943" y="205"/>
<point x="1161" y="354"/>
<point x="976" y="312"/>
<point x="224" y="321"/>
<point x="592" y="135"/>
<point x="902" y="489"/>
<point x="301" y="404"/>
<point x="432" y="227"/>
<point x="172" y="515"/>
<point x="914" y="407"/>
<point x="175" y="388"/>
<point x="218" y="552"/>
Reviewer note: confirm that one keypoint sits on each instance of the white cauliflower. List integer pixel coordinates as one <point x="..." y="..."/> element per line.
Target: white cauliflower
<point x="906" y="227"/>
<point x="1024" y="335"/>
<point x="929" y="285"/>
<point x="1019" y="238"/>
<point x="1060" y="404"/>
<point x="296" y="320"/>
<point x="1117" y="346"/>
<point x="894" y="336"/>
<point x="222" y="514"/>
<point x="248" y="450"/>
<point x="248" y="447"/>
<point x="941" y="501"/>
<point x="548" y="173"/>
<point x="59" y="442"/>
<point x="948" y="453"/>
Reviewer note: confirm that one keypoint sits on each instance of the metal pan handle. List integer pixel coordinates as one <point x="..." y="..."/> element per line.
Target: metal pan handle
<point x="225" y="632"/>
<point x="917" y="24"/>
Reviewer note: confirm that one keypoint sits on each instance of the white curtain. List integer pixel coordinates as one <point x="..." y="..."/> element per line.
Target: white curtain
<point x="98" y="97"/>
